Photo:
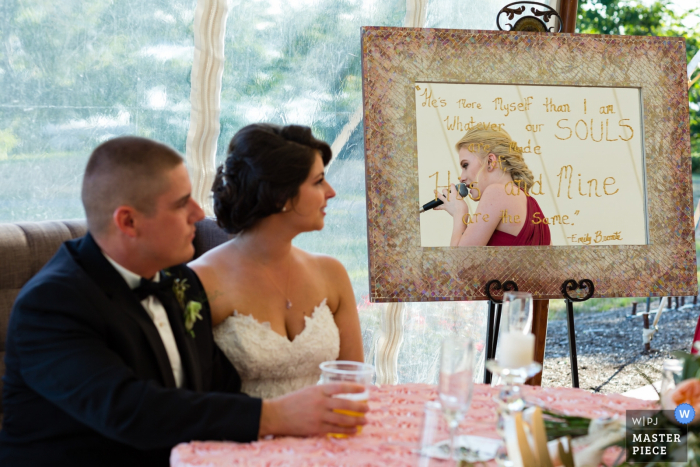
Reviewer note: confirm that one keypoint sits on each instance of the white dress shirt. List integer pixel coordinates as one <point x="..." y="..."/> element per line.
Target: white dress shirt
<point x="160" y="318"/>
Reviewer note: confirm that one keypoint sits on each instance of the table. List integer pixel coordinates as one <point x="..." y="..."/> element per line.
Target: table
<point x="393" y="429"/>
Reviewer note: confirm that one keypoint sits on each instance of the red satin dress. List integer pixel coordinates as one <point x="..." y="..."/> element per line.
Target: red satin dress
<point x="530" y="235"/>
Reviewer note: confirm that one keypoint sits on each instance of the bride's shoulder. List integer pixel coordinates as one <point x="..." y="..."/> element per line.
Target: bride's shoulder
<point x="202" y="266"/>
<point x="329" y="271"/>
<point x="209" y="266"/>
<point x="332" y="278"/>
<point x="211" y="256"/>
<point x="323" y="263"/>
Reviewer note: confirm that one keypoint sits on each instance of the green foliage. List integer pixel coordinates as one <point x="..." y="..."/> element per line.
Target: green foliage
<point x="557" y="308"/>
<point x="636" y="18"/>
<point x="297" y="65"/>
<point x="8" y="141"/>
<point x="695" y="160"/>
<point x="79" y="61"/>
<point x="558" y="425"/>
<point x="691" y="366"/>
<point x="625" y="17"/>
<point x="74" y="73"/>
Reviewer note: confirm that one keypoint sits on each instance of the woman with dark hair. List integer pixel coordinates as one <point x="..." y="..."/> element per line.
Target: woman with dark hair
<point x="278" y="311"/>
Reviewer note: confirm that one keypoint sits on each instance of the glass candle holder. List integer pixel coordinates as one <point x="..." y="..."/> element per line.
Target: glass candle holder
<point x="514" y="361"/>
<point x="516" y="343"/>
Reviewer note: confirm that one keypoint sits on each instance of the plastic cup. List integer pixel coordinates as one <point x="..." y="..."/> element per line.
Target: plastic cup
<point x="341" y="371"/>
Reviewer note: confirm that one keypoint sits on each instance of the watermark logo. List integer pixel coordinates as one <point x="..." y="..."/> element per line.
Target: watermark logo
<point x="655" y="436"/>
<point x="684" y="413"/>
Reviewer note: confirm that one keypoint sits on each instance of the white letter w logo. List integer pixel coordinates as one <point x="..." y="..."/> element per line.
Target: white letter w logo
<point x="684" y="413"/>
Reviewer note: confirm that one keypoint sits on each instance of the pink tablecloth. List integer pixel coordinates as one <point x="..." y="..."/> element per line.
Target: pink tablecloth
<point x="393" y="431"/>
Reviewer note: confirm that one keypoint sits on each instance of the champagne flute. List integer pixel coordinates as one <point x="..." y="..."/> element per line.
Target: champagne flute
<point x="456" y="382"/>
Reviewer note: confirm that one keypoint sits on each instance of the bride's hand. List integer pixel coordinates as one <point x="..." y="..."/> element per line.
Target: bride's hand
<point x="310" y="412"/>
<point x="454" y="207"/>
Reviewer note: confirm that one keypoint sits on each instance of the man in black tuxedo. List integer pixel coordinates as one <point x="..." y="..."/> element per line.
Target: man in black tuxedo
<point x="110" y="358"/>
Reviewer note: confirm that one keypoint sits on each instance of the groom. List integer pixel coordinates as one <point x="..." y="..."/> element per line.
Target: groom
<point x="110" y="359"/>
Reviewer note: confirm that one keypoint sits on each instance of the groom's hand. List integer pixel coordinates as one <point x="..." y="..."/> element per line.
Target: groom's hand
<point x="312" y="411"/>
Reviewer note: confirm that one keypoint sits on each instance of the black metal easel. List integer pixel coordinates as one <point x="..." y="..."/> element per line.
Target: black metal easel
<point x="569" y="286"/>
<point x="494" y="319"/>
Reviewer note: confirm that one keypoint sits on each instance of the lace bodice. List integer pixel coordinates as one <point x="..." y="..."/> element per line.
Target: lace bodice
<point x="270" y="364"/>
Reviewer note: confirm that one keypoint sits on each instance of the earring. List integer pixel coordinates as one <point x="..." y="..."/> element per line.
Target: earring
<point x="284" y="208"/>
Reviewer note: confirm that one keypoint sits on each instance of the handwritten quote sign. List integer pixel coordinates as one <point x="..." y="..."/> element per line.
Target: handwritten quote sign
<point x="584" y="146"/>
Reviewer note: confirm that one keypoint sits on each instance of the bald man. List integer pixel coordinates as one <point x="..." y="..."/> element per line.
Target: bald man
<point x="110" y="355"/>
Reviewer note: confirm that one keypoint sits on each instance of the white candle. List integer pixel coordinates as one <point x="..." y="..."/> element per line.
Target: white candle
<point x="516" y="349"/>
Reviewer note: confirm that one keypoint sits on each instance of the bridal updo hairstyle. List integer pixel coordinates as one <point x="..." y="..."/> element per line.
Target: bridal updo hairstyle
<point x="502" y="146"/>
<point x="265" y="166"/>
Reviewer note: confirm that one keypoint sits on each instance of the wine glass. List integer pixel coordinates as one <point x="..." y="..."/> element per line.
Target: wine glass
<point x="456" y="382"/>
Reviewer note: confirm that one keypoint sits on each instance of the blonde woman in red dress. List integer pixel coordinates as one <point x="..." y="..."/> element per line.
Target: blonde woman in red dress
<point x="493" y="166"/>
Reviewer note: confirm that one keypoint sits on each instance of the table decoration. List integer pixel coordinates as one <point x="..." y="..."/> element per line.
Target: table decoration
<point x="393" y="431"/>
<point x="680" y="389"/>
<point x="526" y="440"/>
<point x="680" y="385"/>
<point x="541" y="438"/>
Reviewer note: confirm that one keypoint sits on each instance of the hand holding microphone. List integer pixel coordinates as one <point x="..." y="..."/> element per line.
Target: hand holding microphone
<point x="462" y="188"/>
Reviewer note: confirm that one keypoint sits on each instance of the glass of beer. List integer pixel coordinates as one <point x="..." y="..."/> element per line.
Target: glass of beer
<point x="341" y="371"/>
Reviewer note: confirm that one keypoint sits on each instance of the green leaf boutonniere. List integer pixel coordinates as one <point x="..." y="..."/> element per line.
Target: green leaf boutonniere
<point x="191" y="315"/>
<point x="180" y="286"/>
<point x="191" y="309"/>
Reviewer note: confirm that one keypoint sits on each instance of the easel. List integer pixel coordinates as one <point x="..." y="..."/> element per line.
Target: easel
<point x="494" y="321"/>
<point x="569" y="286"/>
<point x="567" y="11"/>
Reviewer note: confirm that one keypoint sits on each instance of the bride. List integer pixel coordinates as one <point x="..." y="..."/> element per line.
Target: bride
<point x="278" y="311"/>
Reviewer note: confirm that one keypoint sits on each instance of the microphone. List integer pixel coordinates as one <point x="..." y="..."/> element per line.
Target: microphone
<point x="463" y="192"/>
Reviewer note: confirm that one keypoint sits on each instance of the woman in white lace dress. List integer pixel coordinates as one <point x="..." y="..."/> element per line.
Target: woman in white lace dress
<point x="278" y="311"/>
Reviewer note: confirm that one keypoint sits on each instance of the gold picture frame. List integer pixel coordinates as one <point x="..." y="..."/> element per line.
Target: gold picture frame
<point x="394" y="59"/>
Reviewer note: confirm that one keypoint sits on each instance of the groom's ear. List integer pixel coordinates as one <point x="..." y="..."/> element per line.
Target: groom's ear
<point x="123" y="218"/>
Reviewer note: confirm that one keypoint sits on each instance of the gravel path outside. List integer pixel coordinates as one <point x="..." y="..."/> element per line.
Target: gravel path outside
<point x="611" y="357"/>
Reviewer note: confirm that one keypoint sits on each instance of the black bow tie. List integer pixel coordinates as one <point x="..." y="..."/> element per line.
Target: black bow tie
<point x="160" y="290"/>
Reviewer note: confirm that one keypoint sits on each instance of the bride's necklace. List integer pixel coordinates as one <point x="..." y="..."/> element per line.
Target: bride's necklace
<point x="285" y="295"/>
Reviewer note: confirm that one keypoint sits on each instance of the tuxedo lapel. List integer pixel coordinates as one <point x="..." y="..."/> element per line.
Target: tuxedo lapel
<point x="185" y="344"/>
<point x="124" y="300"/>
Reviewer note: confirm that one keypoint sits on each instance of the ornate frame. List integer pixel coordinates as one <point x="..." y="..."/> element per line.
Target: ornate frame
<point x="393" y="59"/>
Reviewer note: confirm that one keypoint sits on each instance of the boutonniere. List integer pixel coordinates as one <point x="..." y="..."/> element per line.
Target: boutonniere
<point x="192" y="315"/>
<point x="191" y="309"/>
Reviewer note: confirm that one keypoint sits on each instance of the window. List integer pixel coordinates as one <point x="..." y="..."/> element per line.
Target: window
<point x="75" y="73"/>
